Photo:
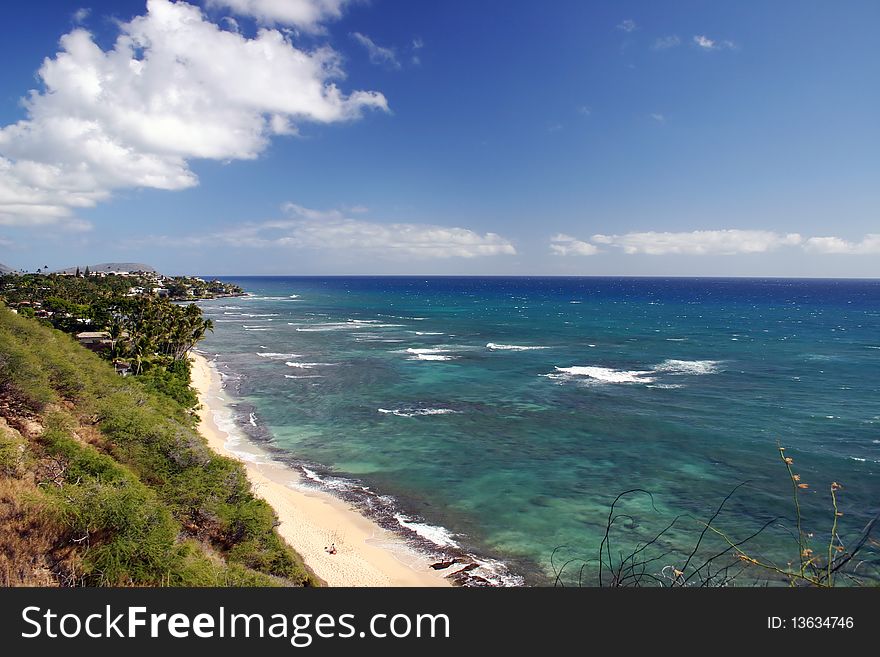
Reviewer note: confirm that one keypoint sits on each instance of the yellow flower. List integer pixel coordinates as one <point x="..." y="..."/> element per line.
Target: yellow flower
<point x="796" y="477"/>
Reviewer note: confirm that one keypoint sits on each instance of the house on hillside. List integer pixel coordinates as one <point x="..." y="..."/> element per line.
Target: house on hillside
<point x="94" y="340"/>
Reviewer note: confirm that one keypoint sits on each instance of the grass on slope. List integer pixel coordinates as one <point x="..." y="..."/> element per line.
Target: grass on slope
<point x="106" y="482"/>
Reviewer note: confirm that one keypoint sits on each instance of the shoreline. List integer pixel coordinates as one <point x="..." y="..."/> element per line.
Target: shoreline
<point x="311" y="519"/>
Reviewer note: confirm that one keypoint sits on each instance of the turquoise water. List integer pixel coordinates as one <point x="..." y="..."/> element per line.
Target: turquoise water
<point x="500" y="417"/>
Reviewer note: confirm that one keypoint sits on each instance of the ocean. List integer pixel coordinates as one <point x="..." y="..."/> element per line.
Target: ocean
<point x="500" y="417"/>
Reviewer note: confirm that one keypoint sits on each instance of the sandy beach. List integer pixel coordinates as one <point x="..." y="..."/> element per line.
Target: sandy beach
<point x="311" y="520"/>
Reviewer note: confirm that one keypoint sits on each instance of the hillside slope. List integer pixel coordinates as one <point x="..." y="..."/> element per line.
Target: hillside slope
<point x="103" y="482"/>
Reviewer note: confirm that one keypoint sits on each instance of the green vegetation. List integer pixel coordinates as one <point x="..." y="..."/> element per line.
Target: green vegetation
<point x="135" y="322"/>
<point x="104" y="479"/>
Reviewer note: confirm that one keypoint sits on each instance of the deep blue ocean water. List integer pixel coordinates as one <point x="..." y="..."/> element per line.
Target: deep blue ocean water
<point x="501" y="416"/>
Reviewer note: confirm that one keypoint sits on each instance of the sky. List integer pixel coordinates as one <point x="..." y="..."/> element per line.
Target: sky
<point x="478" y="137"/>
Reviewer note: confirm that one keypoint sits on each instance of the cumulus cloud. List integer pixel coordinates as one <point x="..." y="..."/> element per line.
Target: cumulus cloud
<point x="667" y="42"/>
<point x="565" y="245"/>
<point x="334" y="230"/>
<point x="378" y="54"/>
<point x="699" y="242"/>
<point x="870" y="244"/>
<point x="80" y="15"/>
<point x="627" y="25"/>
<point x="705" y="43"/>
<point x="307" y="15"/>
<point x="173" y="87"/>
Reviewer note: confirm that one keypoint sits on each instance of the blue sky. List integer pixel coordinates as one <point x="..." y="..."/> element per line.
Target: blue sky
<point x="415" y="137"/>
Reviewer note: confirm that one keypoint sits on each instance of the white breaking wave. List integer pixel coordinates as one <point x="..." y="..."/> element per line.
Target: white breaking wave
<point x="512" y="347"/>
<point x="306" y="366"/>
<point x="252" y="418"/>
<point x="342" y="326"/>
<point x="310" y="376"/>
<point x="439" y="333"/>
<point x="672" y="366"/>
<point x="431" y="357"/>
<point x="435" y="354"/>
<point x="439" y="536"/>
<point x="415" y="412"/>
<point x="611" y="375"/>
<point x="276" y="356"/>
<point x="605" y="374"/>
<point x="256" y="328"/>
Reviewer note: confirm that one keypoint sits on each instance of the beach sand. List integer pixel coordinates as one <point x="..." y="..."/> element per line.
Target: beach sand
<point x="311" y="520"/>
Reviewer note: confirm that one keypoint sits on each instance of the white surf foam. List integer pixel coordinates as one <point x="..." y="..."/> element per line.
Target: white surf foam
<point x="416" y="412"/>
<point x="276" y="356"/>
<point x="672" y="366"/>
<point x="439" y="536"/>
<point x="306" y="366"/>
<point x="605" y="374"/>
<point x="512" y="347"/>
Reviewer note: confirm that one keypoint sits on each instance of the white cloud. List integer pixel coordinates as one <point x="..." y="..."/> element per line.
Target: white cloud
<point x="80" y="15"/>
<point x="585" y="110"/>
<point x="174" y="87"/>
<point x="565" y="245"/>
<point x="627" y="25"/>
<point x="705" y="43"/>
<point x="378" y="54"/>
<point x="333" y="230"/>
<point x="712" y="242"/>
<point x="667" y="42"/>
<point x="306" y="15"/>
<point x="659" y="118"/>
<point x="699" y="242"/>
<point x="870" y="244"/>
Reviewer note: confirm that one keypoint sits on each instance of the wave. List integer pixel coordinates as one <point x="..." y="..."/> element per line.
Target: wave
<point x="439" y="333"/>
<point x="439" y="536"/>
<point x="672" y="366"/>
<point x="611" y="375"/>
<point x="434" y="354"/>
<point x="257" y="328"/>
<point x="416" y="412"/>
<point x="252" y="419"/>
<point x="512" y="347"/>
<point x="307" y="366"/>
<point x="604" y="374"/>
<point x="276" y="356"/>
<point x="436" y="357"/>
<point x="310" y="376"/>
<point x="341" y="326"/>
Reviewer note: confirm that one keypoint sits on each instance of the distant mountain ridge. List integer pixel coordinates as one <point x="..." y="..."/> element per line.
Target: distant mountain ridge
<point x="109" y="266"/>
